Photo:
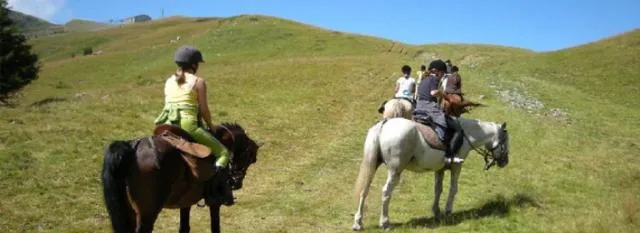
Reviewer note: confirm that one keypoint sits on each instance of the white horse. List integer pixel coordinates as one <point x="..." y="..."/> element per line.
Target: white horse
<point x="399" y="144"/>
<point x="397" y="107"/>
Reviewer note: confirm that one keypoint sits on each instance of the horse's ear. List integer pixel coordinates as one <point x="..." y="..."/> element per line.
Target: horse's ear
<point x="504" y="126"/>
<point x="260" y="144"/>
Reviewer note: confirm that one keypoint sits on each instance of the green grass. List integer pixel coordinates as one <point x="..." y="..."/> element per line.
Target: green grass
<point x="311" y="95"/>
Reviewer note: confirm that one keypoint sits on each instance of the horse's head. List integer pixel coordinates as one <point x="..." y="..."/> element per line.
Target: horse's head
<point x="245" y="151"/>
<point x="499" y="147"/>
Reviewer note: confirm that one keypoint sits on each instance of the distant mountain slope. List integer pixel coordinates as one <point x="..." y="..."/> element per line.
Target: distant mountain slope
<point x="84" y="25"/>
<point x="28" y="23"/>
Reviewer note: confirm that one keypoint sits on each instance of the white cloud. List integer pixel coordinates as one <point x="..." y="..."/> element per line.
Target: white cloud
<point x="44" y="9"/>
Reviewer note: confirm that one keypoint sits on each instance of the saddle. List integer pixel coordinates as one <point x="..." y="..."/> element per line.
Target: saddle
<point x="197" y="156"/>
<point x="428" y="134"/>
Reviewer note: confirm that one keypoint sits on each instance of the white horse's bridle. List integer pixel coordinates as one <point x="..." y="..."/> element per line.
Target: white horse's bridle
<point x="489" y="155"/>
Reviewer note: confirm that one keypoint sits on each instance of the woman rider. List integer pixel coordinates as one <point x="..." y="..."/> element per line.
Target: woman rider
<point x="428" y="108"/>
<point x="186" y="100"/>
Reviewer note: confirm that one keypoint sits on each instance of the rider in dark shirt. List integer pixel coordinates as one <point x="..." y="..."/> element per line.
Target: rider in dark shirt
<point x="428" y="107"/>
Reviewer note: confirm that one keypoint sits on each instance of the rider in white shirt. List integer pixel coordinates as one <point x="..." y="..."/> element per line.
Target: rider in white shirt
<point x="405" y="88"/>
<point x="406" y="85"/>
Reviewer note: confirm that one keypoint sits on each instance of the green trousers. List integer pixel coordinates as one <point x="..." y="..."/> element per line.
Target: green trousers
<point x="186" y="117"/>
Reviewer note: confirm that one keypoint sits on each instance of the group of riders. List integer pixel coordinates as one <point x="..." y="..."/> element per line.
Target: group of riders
<point x="435" y="84"/>
<point x="186" y="102"/>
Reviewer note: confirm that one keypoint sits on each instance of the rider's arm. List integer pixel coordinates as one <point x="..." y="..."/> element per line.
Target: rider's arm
<point x="413" y="87"/>
<point x="201" y="90"/>
<point x="434" y="88"/>
<point x="436" y="93"/>
<point x="397" y="87"/>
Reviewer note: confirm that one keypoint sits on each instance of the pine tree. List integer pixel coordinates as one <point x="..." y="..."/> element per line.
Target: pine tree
<point x="18" y="66"/>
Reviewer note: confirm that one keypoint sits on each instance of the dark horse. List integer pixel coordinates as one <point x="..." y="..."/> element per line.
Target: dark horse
<point x="141" y="177"/>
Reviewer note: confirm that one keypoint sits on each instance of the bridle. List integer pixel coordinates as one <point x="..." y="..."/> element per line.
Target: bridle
<point x="488" y="154"/>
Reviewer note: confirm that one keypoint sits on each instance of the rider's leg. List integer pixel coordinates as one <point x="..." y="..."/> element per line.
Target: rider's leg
<point x="454" y="140"/>
<point x="455" y="143"/>
<point x="205" y="138"/>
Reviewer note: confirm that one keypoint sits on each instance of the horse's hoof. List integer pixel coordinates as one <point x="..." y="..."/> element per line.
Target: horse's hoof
<point x="385" y="225"/>
<point x="436" y="213"/>
<point x="357" y="227"/>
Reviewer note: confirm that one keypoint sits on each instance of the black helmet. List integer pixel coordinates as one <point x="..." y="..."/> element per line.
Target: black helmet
<point x="189" y="55"/>
<point x="438" y="65"/>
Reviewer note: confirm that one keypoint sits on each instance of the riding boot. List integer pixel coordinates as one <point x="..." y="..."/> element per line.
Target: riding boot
<point x="455" y="143"/>
<point x="448" y="153"/>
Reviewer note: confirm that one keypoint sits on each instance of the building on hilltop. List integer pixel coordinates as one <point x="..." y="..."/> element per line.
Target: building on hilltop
<point x="136" y="19"/>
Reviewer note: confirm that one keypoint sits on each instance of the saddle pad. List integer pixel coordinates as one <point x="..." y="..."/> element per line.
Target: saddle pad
<point x="430" y="136"/>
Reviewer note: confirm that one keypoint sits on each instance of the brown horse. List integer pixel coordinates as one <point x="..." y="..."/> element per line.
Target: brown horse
<point x="456" y="105"/>
<point x="141" y="177"/>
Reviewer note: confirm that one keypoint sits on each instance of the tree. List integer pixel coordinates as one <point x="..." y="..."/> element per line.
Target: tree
<point x="18" y="66"/>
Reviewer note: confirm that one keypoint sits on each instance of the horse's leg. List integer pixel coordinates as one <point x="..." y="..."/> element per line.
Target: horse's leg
<point x="184" y="220"/>
<point x="214" y="214"/>
<point x="146" y="221"/>
<point x="392" y="179"/>
<point x="149" y="205"/>
<point x="438" y="190"/>
<point x="453" y="189"/>
<point x="368" y="169"/>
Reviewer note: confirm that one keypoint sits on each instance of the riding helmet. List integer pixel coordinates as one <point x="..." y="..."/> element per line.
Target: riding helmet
<point x="188" y="54"/>
<point x="438" y="65"/>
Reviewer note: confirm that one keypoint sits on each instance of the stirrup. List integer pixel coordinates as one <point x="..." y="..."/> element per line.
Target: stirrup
<point x="454" y="160"/>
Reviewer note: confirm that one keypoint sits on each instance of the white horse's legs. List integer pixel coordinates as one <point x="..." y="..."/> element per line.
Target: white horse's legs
<point x="438" y="190"/>
<point x="453" y="189"/>
<point x="357" y="221"/>
<point x="392" y="179"/>
<point x="367" y="171"/>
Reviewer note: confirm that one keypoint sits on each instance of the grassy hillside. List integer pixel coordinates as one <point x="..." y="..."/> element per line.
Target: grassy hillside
<point x="84" y="25"/>
<point x="311" y="95"/>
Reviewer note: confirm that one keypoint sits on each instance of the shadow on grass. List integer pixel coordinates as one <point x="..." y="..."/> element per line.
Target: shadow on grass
<point x="47" y="101"/>
<point x="498" y="207"/>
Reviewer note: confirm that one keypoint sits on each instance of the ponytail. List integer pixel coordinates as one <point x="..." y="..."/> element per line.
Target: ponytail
<point x="180" y="76"/>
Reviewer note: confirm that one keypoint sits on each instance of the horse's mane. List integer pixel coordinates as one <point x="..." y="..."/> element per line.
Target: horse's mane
<point x="234" y="127"/>
<point x="468" y="123"/>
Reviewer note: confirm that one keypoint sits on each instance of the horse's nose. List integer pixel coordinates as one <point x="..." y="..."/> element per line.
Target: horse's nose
<point x="503" y="163"/>
<point x="237" y="185"/>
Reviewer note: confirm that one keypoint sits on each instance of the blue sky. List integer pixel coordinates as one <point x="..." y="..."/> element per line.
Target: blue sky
<point x="540" y="25"/>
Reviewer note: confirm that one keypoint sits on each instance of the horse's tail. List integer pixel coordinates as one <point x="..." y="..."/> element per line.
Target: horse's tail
<point x="371" y="160"/>
<point x="118" y="159"/>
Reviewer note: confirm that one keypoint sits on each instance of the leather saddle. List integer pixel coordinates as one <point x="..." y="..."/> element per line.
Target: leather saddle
<point x="428" y="134"/>
<point x="197" y="156"/>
